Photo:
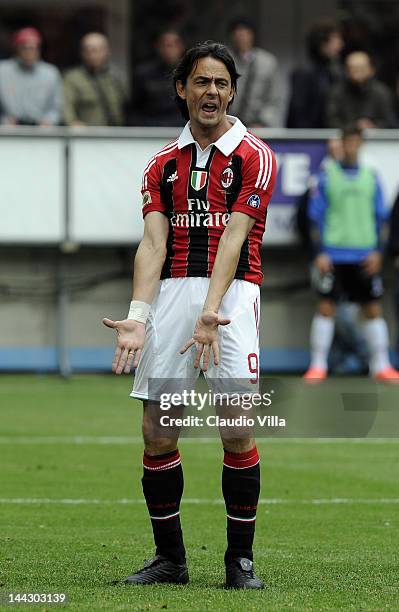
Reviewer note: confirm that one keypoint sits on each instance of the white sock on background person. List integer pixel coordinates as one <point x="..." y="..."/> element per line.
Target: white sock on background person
<point x="321" y="337"/>
<point x="377" y="338"/>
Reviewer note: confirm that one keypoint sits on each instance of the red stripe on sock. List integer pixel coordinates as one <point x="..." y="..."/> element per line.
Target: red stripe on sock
<point x="165" y="463"/>
<point x="241" y="460"/>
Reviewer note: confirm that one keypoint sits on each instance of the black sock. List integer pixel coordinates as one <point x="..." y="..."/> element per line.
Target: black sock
<point x="241" y="486"/>
<point x="163" y="488"/>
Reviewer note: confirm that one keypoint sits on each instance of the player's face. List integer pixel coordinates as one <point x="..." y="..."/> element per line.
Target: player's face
<point x="207" y="92"/>
<point x="351" y="146"/>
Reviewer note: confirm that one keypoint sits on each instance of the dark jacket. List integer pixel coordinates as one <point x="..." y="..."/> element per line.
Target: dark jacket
<point x="350" y="102"/>
<point x="153" y="102"/>
<point x="310" y="89"/>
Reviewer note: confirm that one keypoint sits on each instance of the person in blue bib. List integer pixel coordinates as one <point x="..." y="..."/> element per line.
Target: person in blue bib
<point x="347" y="213"/>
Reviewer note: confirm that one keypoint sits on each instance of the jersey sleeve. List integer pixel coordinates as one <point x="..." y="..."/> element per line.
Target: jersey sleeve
<point x="381" y="210"/>
<point x="318" y="201"/>
<point x="151" y="189"/>
<point x="258" y="179"/>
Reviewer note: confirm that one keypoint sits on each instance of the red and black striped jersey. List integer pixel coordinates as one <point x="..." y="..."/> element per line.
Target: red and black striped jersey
<point x="199" y="189"/>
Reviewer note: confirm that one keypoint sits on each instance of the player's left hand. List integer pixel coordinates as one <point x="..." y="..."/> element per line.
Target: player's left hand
<point x="205" y="337"/>
<point x="372" y="263"/>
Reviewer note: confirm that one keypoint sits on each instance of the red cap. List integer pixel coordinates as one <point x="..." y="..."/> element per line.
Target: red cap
<point x="26" y="35"/>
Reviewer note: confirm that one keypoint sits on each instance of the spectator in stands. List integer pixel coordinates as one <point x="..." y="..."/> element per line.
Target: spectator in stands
<point x="360" y="98"/>
<point x="94" y="94"/>
<point x="257" y="101"/>
<point x="30" y="89"/>
<point x="153" y="94"/>
<point x="311" y="84"/>
<point x="348" y="211"/>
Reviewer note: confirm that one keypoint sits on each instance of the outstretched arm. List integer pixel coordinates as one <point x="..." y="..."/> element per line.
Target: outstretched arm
<point x="148" y="264"/>
<point x="150" y="257"/>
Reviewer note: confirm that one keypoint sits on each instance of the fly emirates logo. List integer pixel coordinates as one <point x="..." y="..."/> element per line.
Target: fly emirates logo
<point x="198" y="215"/>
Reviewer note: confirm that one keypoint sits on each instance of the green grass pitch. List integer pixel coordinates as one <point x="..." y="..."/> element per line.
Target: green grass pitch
<point x="72" y="518"/>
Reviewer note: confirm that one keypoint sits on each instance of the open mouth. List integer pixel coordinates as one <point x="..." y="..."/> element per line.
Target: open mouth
<point x="209" y="108"/>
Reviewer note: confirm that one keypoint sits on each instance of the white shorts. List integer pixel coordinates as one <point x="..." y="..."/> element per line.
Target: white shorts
<point x="170" y="325"/>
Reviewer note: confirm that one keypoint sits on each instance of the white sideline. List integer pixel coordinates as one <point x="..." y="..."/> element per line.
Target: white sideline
<point x="26" y="440"/>
<point x="200" y="501"/>
<point x="126" y="440"/>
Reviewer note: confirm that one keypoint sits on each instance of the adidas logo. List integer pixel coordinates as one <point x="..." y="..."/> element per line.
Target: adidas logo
<point x="172" y="178"/>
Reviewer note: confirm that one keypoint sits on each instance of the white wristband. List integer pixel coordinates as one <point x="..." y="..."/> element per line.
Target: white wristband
<point x="139" y="311"/>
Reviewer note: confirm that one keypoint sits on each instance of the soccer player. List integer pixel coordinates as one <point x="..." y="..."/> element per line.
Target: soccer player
<point x="204" y="203"/>
<point x="347" y="211"/>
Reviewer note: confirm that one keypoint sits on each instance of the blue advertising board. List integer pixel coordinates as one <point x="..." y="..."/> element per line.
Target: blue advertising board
<point x="297" y="161"/>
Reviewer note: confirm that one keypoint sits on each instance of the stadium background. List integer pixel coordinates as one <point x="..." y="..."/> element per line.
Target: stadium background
<point x="71" y="226"/>
<point x="57" y="283"/>
<point x="71" y="511"/>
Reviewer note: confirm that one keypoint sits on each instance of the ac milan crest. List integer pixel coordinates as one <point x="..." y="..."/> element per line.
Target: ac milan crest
<point x="227" y="177"/>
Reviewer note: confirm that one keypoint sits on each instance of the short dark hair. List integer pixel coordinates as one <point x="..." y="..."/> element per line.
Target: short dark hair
<point x="162" y="33"/>
<point x="189" y="61"/>
<point x="318" y="34"/>
<point x="241" y="22"/>
<point x="351" y="130"/>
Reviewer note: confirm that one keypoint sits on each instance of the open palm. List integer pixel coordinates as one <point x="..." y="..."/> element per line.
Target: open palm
<point x="129" y="343"/>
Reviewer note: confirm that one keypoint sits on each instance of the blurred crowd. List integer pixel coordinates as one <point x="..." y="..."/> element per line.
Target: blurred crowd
<point x="337" y="85"/>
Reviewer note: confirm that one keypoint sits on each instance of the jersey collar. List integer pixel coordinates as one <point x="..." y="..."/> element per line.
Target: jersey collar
<point x="226" y="143"/>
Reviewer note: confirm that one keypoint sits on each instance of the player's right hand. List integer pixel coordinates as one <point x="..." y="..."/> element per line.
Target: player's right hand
<point x="323" y="263"/>
<point x="129" y="344"/>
